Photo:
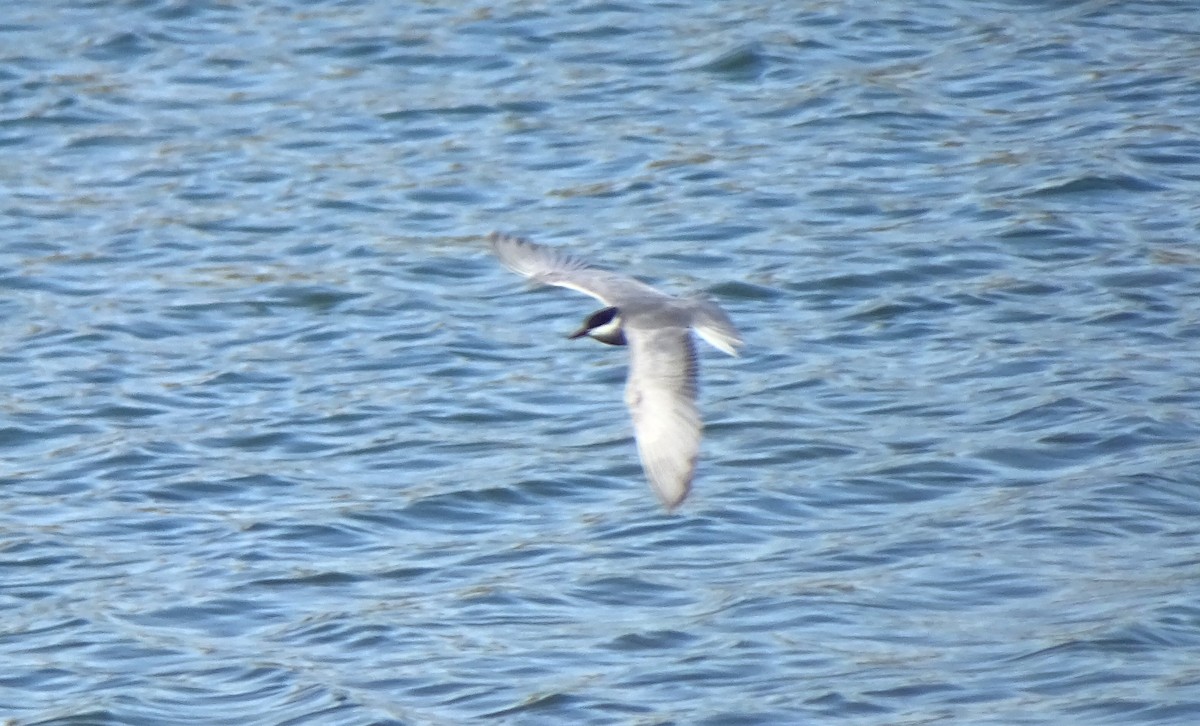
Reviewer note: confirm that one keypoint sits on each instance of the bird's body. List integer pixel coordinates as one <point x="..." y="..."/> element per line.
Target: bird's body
<point x="661" y="387"/>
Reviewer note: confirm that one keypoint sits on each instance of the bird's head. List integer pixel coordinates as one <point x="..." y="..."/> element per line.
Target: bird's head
<point x="604" y="325"/>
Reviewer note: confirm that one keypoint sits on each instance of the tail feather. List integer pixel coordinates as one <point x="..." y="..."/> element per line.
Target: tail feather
<point x="712" y="324"/>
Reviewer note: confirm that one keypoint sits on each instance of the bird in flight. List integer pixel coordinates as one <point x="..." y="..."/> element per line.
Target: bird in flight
<point x="660" y="390"/>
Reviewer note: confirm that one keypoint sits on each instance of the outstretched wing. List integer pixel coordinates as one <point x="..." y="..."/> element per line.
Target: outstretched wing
<point x="661" y="395"/>
<point x="553" y="266"/>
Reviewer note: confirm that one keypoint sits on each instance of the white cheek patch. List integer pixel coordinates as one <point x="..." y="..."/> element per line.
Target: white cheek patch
<point x="608" y="329"/>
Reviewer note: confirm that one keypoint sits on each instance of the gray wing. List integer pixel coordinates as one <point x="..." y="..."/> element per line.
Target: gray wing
<point x="553" y="266"/>
<point x="661" y="395"/>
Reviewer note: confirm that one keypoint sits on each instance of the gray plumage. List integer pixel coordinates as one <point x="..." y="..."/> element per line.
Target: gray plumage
<point x="661" y="386"/>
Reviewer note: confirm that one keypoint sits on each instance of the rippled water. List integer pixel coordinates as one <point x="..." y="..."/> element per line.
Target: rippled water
<point x="283" y="444"/>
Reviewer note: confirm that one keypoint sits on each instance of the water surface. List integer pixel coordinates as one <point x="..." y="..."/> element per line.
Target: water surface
<point x="283" y="444"/>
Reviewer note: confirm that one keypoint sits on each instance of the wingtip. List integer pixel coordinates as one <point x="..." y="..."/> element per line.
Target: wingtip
<point x="672" y="494"/>
<point x="673" y="507"/>
<point x="513" y="251"/>
<point x="496" y="238"/>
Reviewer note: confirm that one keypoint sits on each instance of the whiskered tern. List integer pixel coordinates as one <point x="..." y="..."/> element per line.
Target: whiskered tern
<point x="660" y="389"/>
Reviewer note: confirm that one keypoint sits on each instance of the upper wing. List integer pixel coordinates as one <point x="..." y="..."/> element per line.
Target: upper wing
<point x="553" y="266"/>
<point x="661" y="395"/>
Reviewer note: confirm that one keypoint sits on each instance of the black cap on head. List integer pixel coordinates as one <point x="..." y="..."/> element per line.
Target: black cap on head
<point x="604" y="325"/>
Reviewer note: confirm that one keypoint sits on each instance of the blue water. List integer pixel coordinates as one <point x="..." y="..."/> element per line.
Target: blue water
<point x="282" y="443"/>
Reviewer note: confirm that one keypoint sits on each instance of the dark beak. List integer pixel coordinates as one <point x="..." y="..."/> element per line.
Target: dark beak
<point x="578" y="334"/>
